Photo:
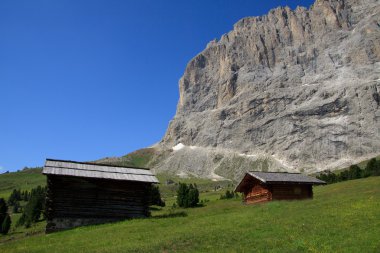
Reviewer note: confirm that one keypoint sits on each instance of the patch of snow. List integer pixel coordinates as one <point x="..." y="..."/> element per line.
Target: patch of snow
<point x="283" y="163"/>
<point x="182" y="174"/>
<point x="179" y="146"/>
<point x="310" y="84"/>
<point x="193" y="147"/>
<point x="335" y="120"/>
<point x="245" y="155"/>
<point x="216" y="177"/>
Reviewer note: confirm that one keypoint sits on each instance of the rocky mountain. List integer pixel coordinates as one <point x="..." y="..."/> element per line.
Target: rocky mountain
<point x="294" y="90"/>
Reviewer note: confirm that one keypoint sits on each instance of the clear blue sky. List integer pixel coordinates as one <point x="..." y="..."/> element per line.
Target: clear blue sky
<point x="82" y="80"/>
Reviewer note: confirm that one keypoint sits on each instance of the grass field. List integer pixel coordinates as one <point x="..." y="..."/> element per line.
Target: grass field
<point x="342" y="217"/>
<point x="31" y="178"/>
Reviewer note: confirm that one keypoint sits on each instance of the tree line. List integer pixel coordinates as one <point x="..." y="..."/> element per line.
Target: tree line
<point x="34" y="210"/>
<point x="354" y="172"/>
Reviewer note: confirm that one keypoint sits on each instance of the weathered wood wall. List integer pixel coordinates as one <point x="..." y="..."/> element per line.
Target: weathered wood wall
<point x="291" y="191"/>
<point x="73" y="201"/>
<point x="259" y="192"/>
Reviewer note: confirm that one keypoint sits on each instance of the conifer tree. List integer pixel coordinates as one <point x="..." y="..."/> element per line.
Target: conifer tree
<point x="6" y="225"/>
<point x="187" y="196"/>
<point x="3" y="216"/>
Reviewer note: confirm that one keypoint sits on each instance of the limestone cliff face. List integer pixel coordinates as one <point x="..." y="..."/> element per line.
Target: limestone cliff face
<point x="299" y="88"/>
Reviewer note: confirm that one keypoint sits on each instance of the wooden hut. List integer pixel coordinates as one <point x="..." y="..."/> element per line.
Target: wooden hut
<point x="259" y="186"/>
<point x="87" y="193"/>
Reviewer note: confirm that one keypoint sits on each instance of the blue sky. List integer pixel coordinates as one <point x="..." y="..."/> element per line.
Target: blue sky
<point x="82" y="80"/>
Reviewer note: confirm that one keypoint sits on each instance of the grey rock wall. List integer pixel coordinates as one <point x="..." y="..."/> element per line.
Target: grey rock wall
<point x="299" y="88"/>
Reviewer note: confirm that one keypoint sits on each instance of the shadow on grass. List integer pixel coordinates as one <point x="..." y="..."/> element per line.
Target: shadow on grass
<point x="170" y="215"/>
<point x="155" y="208"/>
<point x="199" y="205"/>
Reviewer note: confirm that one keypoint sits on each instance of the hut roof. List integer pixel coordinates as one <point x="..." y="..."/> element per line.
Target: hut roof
<point x="94" y="170"/>
<point x="278" y="178"/>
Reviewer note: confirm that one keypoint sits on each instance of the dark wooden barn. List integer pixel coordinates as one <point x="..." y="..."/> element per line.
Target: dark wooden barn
<point x="267" y="186"/>
<point x="87" y="193"/>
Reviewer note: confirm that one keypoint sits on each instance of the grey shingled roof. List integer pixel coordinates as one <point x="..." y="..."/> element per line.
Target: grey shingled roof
<point x="276" y="178"/>
<point x="92" y="170"/>
<point x="281" y="177"/>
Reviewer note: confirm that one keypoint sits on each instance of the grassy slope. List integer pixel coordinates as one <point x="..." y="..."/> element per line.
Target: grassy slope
<point x="342" y="217"/>
<point x="24" y="180"/>
<point x="139" y="158"/>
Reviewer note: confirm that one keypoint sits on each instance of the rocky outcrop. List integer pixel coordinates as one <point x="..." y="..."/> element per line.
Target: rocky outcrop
<point x="299" y="89"/>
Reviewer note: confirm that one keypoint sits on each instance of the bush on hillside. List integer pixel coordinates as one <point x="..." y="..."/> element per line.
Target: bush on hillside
<point x="328" y="176"/>
<point x="355" y="172"/>
<point x="228" y="195"/>
<point x="372" y="168"/>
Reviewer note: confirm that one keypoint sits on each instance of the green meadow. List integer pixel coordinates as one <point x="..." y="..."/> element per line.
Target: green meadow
<point x="342" y="217"/>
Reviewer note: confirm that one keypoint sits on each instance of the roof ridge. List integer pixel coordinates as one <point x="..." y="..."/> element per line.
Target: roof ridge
<point x="277" y="172"/>
<point x="94" y="163"/>
<point x="99" y="171"/>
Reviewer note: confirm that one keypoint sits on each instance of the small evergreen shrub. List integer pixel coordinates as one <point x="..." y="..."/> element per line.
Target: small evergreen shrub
<point x="187" y="195"/>
<point x="228" y="195"/>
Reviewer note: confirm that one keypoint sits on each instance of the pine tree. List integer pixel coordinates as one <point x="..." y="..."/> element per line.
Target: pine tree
<point x="155" y="196"/>
<point x="6" y="224"/>
<point x="182" y="194"/>
<point x="376" y="171"/>
<point x="3" y="210"/>
<point x="193" y="196"/>
<point x="14" y="197"/>
<point x="3" y="213"/>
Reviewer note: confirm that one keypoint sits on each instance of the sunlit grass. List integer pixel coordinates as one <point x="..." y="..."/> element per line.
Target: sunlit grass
<point x="342" y="217"/>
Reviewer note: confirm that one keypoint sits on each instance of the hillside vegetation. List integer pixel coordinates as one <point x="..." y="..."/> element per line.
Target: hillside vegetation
<point x="342" y="217"/>
<point x="23" y="180"/>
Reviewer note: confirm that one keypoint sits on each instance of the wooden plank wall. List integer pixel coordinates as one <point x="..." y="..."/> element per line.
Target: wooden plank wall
<point x="291" y="191"/>
<point x="72" y="197"/>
